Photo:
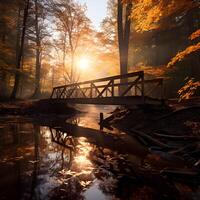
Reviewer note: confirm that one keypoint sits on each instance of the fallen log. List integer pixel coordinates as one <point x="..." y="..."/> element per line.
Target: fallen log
<point x="175" y="137"/>
<point x="196" y="152"/>
<point x="168" y="156"/>
<point x="181" y="149"/>
<point x="151" y="139"/>
<point x="178" y="111"/>
<point x="181" y="172"/>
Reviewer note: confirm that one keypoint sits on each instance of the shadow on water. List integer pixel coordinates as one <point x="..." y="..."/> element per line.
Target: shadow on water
<point x="57" y="159"/>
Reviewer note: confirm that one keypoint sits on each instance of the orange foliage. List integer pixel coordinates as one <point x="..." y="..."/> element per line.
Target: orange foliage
<point x="181" y="55"/>
<point x="148" y="14"/>
<point x="188" y="89"/>
<point x="158" y="71"/>
<point x="195" y="35"/>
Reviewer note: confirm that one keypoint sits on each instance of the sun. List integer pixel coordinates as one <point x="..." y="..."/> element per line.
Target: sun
<point x="84" y="63"/>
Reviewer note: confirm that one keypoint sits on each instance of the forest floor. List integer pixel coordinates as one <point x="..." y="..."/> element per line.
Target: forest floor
<point x="35" y="107"/>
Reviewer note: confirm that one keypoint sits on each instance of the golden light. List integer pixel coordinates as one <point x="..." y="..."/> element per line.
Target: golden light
<point x="84" y="63"/>
<point x="82" y="154"/>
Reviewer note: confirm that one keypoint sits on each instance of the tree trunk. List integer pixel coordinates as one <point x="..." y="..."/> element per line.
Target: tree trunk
<point x="18" y="37"/>
<point x="18" y="64"/>
<point x="123" y="39"/>
<point x="72" y="75"/>
<point x="3" y="84"/>
<point x="66" y="74"/>
<point x="38" y="54"/>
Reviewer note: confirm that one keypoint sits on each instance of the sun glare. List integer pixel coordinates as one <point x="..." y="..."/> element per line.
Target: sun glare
<point x="84" y="63"/>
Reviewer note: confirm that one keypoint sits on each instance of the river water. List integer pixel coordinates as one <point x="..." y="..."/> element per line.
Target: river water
<point x="39" y="162"/>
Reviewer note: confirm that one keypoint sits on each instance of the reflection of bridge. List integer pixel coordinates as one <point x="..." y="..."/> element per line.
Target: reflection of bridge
<point x="135" y="90"/>
<point x="64" y="134"/>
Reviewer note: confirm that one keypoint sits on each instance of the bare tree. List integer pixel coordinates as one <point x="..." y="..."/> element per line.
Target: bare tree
<point x="21" y="49"/>
<point x="73" y="24"/>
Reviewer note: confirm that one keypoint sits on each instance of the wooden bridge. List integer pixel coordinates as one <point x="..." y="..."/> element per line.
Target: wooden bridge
<point x="134" y="90"/>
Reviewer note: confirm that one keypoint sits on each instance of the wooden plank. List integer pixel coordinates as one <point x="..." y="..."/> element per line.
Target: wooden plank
<point x="113" y="88"/>
<point x="128" y="83"/>
<point x="128" y="89"/>
<point x="139" y="73"/>
<point x="96" y="88"/>
<point x="142" y="87"/>
<point x="72" y="91"/>
<point x="127" y="100"/>
<point x="63" y="91"/>
<point x="91" y="90"/>
<point x="52" y="94"/>
<point x="83" y="93"/>
<point x="66" y="91"/>
<point x="152" y="89"/>
<point x="108" y="85"/>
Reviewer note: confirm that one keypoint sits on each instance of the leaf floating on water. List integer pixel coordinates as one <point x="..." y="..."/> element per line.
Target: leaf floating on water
<point x="63" y="190"/>
<point x="18" y="158"/>
<point x="4" y="160"/>
<point x="28" y="173"/>
<point x="33" y="161"/>
<point x="64" y="172"/>
<point x="60" y="181"/>
<point x="85" y="183"/>
<point x="197" y="163"/>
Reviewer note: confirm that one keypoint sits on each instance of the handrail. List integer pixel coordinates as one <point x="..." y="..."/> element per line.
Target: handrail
<point x="157" y="80"/>
<point x="107" y="87"/>
<point x="139" y="73"/>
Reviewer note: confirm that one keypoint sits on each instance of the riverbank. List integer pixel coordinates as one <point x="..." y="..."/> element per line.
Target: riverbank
<point x="35" y="107"/>
<point x="169" y="132"/>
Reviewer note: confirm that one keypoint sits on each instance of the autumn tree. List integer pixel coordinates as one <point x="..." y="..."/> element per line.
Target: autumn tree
<point x="21" y="49"/>
<point x="158" y="23"/>
<point x="72" y="24"/>
<point x="10" y="15"/>
<point x="109" y="26"/>
<point x="38" y="34"/>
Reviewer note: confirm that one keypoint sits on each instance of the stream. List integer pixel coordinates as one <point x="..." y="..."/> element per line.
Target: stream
<point x="39" y="162"/>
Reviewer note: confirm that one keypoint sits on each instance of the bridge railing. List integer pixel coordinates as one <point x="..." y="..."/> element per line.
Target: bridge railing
<point x="132" y="84"/>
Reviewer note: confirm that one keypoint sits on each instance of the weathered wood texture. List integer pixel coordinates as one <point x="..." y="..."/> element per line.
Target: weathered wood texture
<point x="106" y="90"/>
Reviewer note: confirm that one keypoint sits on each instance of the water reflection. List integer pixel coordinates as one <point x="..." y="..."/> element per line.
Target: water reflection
<point x="38" y="162"/>
<point x="90" y="115"/>
<point x="82" y="154"/>
<point x="45" y="163"/>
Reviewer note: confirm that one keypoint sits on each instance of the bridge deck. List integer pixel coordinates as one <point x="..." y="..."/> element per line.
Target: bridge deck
<point x="128" y="100"/>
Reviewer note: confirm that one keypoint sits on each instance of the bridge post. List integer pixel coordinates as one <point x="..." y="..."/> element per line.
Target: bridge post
<point x="101" y="121"/>
<point x="91" y="90"/>
<point x="142" y="89"/>
<point x="51" y="97"/>
<point x="135" y="90"/>
<point x="113" y="88"/>
<point x="162" y="89"/>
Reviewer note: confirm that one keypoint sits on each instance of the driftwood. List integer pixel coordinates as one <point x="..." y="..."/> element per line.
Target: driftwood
<point x="177" y="111"/>
<point x="181" y="172"/>
<point x="176" y="137"/>
<point x="151" y="139"/>
<point x="196" y="152"/>
<point x="141" y="140"/>
<point x="184" y="148"/>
